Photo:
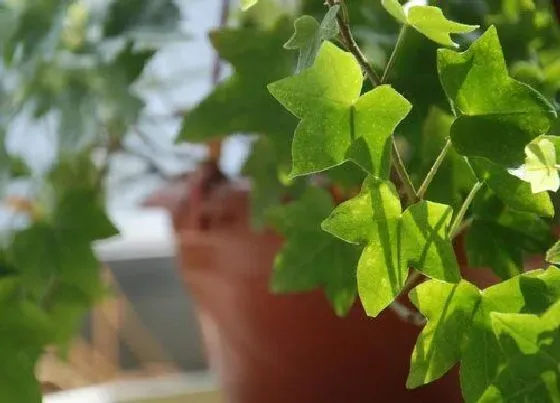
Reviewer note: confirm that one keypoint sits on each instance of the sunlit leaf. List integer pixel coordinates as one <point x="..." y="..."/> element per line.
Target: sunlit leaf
<point x="393" y="240"/>
<point x="540" y="169"/>
<point x="429" y="21"/>
<point x="337" y="124"/>
<point x="501" y="123"/>
<point x="449" y="309"/>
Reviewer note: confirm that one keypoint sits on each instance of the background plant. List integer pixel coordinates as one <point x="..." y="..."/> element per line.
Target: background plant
<point x="73" y="66"/>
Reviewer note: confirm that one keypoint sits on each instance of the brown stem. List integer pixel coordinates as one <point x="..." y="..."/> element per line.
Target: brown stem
<point x="215" y="146"/>
<point x="351" y="45"/>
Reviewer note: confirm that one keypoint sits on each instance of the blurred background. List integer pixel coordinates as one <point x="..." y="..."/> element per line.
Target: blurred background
<point x="114" y="80"/>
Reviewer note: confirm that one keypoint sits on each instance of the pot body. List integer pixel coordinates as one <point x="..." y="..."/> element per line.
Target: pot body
<point x="288" y="348"/>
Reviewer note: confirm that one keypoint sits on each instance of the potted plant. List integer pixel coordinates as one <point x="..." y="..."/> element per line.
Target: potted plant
<point x="473" y="157"/>
<point x="407" y="158"/>
<point x="67" y="71"/>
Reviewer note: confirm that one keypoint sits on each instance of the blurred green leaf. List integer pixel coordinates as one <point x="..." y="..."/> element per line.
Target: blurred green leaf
<point x="311" y="258"/>
<point x="242" y="101"/>
<point x="309" y="35"/>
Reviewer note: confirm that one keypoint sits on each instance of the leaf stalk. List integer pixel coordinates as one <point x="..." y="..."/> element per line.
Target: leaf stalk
<point x="433" y="170"/>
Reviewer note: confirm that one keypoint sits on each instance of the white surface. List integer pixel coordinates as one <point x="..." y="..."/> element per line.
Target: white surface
<point x="145" y="233"/>
<point x="117" y="392"/>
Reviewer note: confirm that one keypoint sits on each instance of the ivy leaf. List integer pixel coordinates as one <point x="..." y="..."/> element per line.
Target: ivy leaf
<point x="311" y="258"/>
<point x="247" y="4"/>
<point x="532" y="346"/>
<point x="513" y="192"/>
<point x="553" y="254"/>
<point x="373" y="218"/>
<point x="482" y="358"/>
<point x="426" y="241"/>
<point x="540" y="169"/>
<point x="449" y="309"/>
<point x="394" y="8"/>
<point x="429" y="21"/>
<point x="309" y="35"/>
<point x="337" y="124"/>
<point x="497" y="116"/>
<point x="488" y="244"/>
<point x="242" y="101"/>
<point x="391" y="240"/>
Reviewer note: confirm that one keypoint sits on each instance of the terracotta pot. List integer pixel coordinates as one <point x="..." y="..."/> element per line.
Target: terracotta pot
<point x="287" y="348"/>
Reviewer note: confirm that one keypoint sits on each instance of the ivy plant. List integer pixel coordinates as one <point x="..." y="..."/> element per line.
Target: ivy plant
<point x="71" y="66"/>
<point x="452" y="132"/>
<point x="392" y="141"/>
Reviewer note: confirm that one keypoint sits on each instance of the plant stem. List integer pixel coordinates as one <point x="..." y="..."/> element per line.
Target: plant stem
<point x="433" y="170"/>
<point x="393" y="57"/>
<point x="351" y="45"/>
<point x="456" y="226"/>
<point x="412" y="196"/>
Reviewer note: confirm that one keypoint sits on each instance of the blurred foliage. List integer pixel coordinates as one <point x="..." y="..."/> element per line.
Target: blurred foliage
<point x="74" y="63"/>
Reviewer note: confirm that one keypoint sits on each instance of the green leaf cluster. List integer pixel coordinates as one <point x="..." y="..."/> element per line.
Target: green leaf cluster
<point x="394" y="241"/>
<point x="505" y="337"/>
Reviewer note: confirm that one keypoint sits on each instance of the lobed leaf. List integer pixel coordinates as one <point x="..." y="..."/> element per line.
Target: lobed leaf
<point x="449" y="309"/>
<point x="242" y="101"/>
<point x="309" y="35"/>
<point x="337" y="123"/>
<point x="496" y="115"/>
<point x="392" y="240"/>
<point x="429" y="21"/>
<point x="540" y="169"/>
<point x="483" y="359"/>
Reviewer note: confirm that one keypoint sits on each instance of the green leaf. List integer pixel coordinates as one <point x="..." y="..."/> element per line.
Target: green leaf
<point x="449" y="309"/>
<point x="57" y="254"/>
<point x="553" y="254"/>
<point x="532" y="346"/>
<point x="17" y="380"/>
<point x="242" y="102"/>
<point x="392" y="240"/>
<point x="540" y="169"/>
<point x="327" y="99"/>
<point x="311" y="258"/>
<point x="373" y="218"/>
<point x="482" y="358"/>
<point x="488" y="244"/>
<point x="426" y="243"/>
<point x="497" y="116"/>
<point x="429" y="21"/>
<point x="394" y="8"/>
<point x="309" y="35"/>
<point x="247" y="4"/>
<point x="513" y="192"/>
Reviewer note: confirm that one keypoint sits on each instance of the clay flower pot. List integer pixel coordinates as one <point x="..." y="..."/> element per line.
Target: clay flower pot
<point x="286" y="348"/>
